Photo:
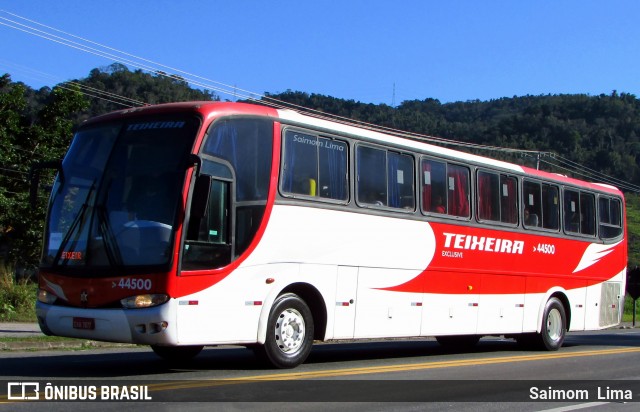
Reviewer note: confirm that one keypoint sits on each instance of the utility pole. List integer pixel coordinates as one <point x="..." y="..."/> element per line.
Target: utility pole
<point x="393" y="98"/>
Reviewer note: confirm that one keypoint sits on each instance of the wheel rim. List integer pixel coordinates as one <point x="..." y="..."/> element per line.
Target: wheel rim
<point x="290" y="331"/>
<point x="554" y="325"/>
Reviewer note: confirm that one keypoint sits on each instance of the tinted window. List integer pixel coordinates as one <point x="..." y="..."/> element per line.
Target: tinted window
<point x="497" y="198"/>
<point x="384" y="178"/>
<point x="610" y="217"/>
<point x="579" y="212"/>
<point x="541" y="205"/>
<point x="550" y="207"/>
<point x="445" y="188"/>
<point x="315" y="166"/>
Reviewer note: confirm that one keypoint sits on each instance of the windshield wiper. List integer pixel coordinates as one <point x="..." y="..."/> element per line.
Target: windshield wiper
<point x="110" y="244"/>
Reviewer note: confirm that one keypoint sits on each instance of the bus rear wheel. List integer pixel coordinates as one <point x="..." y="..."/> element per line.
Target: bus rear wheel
<point x="176" y="353"/>
<point x="554" y="326"/>
<point x="289" y="332"/>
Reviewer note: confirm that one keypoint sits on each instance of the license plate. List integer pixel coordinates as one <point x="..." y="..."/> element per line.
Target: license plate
<point x="84" y="323"/>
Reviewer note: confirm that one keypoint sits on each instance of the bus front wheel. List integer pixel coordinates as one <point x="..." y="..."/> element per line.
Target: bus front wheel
<point x="289" y="332"/>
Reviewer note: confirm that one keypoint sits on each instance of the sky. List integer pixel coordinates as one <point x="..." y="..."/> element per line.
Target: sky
<point x="370" y="51"/>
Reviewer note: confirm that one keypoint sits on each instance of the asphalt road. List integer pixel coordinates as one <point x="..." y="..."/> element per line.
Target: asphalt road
<point x="373" y="375"/>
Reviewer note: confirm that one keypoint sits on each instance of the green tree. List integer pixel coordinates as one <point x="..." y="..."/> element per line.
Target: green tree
<point x="26" y="140"/>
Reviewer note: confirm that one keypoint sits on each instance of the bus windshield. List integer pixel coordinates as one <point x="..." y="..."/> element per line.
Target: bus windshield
<point x="115" y="201"/>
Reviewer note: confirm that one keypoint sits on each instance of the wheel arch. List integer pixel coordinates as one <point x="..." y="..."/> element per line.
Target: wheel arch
<point x="312" y="297"/>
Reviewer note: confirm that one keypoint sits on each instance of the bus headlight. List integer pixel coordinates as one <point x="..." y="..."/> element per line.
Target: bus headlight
<point x="143" y="301"/>
<point x="47" y="297"/>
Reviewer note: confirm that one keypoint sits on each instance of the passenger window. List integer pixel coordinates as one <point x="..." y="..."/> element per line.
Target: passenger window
<point x="400" y="177"/>
<point x="541" y="205"/>
<point x="497" y="198"/>
<point x="458" y="181"/>
<point x="571" y="211"/>
<point x="532" y="197"/>
<point x="550" y="207"/>
<point x="445" y="188"/>
<point x="579" y="212"/>
<point x="372" y="176"/>
<point x="385" y="178"/>
<point x="588" y="214"/>
<point x="314" y="166"/>
<point x="434" y="187"/>
<point x="610" y="220"/>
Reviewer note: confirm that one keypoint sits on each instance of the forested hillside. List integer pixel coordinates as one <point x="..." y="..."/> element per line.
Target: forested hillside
<point x="600" y="133"/>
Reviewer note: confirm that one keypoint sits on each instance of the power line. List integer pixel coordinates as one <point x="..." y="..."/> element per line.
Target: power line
<point x="108" y="52"/>
<point x="13" y="170"/>
<point x="595" y="173"/>
<point x="608" y="180"/>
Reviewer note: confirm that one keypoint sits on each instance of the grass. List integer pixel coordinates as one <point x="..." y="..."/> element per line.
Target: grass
<point x="17" y="298"/>
<point x="628" y="310"/>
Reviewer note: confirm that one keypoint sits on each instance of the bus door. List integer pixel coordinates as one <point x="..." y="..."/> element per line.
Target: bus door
<point x="208" y="244"/>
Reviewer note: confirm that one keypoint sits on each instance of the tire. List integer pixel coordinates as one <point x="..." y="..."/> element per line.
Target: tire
<point x="554" y="326"/>
<point x="458" y="342"/>
<point x="177" y="353"/>
<point x="289" y="333"/>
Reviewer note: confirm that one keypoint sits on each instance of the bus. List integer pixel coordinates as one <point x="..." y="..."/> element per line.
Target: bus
<point x="195" y="224"/>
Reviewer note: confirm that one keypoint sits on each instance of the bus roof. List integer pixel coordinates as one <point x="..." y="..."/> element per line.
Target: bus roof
<point x="210" y="109"/>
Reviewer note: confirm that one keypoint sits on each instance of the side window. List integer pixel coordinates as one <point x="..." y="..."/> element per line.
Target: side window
<point x="208" y="243"/>
<point x="458" y="182"/>
<point x="541" y="205"/>
<point x="610" y="217"/>
<point x="532" y="198"/>
<point x="434" y="187"/>
<point x="508" y="199"/>
<point x="314" y="166"/>
<point x="445" y="188"/>
<point x="550" y="207"/>
<point x="587" y="214"/>
<point x="400" y="177"/>
<point x="497" y="198"/>
<point x="579" y="212"/>
<point x="571" y="211"/>
<point x="372" y="176"/>
<point x="384" y="178"/>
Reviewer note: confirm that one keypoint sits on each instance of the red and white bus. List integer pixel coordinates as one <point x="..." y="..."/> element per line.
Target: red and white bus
<point x="192" y="224"/>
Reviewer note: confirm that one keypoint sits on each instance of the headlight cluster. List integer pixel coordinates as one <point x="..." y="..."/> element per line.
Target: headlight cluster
<point x="132" y="302"/>
<point x="143" y="301"/>
<point x="47" y="297"/>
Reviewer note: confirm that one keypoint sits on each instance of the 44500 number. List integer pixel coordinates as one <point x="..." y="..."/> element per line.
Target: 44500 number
<point x="135" y="284"/>
<point x="545" y="248"/>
